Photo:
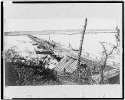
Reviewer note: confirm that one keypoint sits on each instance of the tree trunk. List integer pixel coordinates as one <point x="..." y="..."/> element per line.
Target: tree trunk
<point x="81" y="42"/>
<point x="102" y="70"/>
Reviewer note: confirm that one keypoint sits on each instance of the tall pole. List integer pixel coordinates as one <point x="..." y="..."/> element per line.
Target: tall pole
<point x="81" y="42"/>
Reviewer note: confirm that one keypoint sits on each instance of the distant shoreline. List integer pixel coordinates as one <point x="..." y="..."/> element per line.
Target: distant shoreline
<point x="59" y="32"/>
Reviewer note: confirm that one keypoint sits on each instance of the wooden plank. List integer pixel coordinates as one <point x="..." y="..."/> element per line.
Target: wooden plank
<point x="69" y="63"/>
<point x="64" y="61"/>
<point x="65" y="64"/>
<point x="72" y="67"/>
<point x="69" y="67"/>
<point x="61" y="63"/>
<point x="83" y="60"/>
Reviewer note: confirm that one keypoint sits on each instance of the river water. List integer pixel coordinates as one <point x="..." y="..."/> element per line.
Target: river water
<point x="91" y="42"/>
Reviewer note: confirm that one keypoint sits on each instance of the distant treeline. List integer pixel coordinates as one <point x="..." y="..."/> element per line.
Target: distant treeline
<point x="45" y="32"/>
<point x="13" y="34"/>
<point x="60" y="32"/>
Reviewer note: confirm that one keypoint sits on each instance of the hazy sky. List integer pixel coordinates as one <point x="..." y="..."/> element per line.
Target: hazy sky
<point x="58" y="24"/>
<point x="51" y="16"/>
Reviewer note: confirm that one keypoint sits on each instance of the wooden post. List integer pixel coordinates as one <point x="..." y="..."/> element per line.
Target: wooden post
<point x="81" y="43"/>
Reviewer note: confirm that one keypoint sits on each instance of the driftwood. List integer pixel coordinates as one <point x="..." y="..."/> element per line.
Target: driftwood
<point x="107" y="75"/>
<point x="44" y="52"/>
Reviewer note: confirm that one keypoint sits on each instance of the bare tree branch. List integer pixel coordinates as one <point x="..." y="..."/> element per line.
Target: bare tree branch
<point x="105" y="51"/>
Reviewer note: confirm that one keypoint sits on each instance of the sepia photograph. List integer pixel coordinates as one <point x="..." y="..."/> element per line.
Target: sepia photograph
<point x="83" y="52"/>
<point x="60" y="47"/>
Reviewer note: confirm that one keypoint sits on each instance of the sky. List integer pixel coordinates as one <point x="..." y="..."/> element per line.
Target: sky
<point x="55" y="16"/>
<point x="58" y="24"/>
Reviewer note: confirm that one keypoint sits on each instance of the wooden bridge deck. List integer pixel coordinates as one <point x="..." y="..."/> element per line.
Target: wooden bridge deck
<point x="70" y="60"/>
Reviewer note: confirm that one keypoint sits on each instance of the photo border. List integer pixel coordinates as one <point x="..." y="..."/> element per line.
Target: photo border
<point x="49" y="2"/>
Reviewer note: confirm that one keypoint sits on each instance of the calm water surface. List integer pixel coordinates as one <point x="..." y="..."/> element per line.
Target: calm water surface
<point x="91" y="42"/>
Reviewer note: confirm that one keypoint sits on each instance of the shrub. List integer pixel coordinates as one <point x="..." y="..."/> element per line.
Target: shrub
<point x="29" y="70"/>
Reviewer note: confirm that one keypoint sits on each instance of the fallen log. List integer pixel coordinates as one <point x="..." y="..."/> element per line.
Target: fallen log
<point x="44" y="52"/>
